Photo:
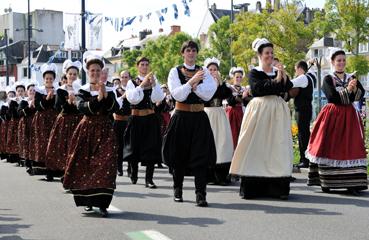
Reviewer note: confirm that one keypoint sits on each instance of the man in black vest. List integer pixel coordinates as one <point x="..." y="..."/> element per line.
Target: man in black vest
<point x="303" y="86"/>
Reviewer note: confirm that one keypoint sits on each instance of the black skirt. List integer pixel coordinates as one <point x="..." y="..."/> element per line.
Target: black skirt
<point x="142" y="140"/>
<point x="99" y="197"/>
<point x="189" y="142"/>
<point x="253" y="187"/>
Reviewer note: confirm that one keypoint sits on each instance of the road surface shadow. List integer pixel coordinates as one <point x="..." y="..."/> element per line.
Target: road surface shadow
<point x="12" y="228"/>
<point x="165" y="219"/>
<point x="13" y="237"/>
<point x="272" y="209"/>
<point x="140" y="195"/>
<point x="331" y="198"/>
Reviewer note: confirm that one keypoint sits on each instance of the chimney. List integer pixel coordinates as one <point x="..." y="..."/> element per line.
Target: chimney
<point x="213" y="7"/>
<point x="142" y="34"/>
<point x="174" y="29"/>
<point x="203" y="39"/>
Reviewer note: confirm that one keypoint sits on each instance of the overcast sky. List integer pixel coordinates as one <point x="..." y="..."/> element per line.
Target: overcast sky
<point x="128" y="8"/>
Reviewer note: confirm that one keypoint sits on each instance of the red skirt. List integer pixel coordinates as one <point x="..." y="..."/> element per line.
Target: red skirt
<point x="12" y="137"/>
<point x="235" y="115"/>
<point x="92" y="157"/>
<point x="3" y="132"/>
<point x="24" y="135"/>
<point x="165" y="122"/>
<point x="60" y="140"/>
<point x="42" y="124"/>
<point x="337" y="139"/>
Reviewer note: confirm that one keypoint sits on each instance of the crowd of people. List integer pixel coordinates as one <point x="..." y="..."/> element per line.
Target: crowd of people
<point x="198" y="124"/>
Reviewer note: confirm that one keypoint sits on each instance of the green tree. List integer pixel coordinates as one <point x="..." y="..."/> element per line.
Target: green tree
<point x="284" y="28"/>
<point x="220" y="40"/>
<point x="165" y="53"/>
<point x="358" y="63"/>
<point x="130" y="59"/>
<point x="350" y="18"/>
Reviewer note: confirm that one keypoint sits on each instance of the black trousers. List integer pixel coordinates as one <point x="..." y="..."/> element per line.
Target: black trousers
<point x="119" y="128"/>
<point x="200" y="179"/>
<point x="149" y="171"/>
<point x="303" y="118"/>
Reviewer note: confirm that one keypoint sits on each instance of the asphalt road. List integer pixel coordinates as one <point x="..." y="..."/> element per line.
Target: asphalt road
<point x="33" y="209"/>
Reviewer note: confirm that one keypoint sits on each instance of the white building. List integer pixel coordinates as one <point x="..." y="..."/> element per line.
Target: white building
<point x="49" y="21"/>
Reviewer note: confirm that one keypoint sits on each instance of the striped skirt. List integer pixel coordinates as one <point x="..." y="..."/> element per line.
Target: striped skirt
<point x="336" y="178"/>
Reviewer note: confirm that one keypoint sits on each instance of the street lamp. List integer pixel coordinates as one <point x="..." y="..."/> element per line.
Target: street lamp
<point x="318" y="63"/>
<point x="238" y="7"/>
<point x="6" y="55"/>
<point x="29" y="29"/>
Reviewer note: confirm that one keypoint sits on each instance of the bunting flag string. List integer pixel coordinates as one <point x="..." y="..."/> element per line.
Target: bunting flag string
<point x="175" y="11"/>
<point x="186" y="7"/>
<point x="118" y="23"/>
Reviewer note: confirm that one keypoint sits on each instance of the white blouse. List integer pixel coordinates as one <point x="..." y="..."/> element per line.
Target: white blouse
<point x="135" y="94"/>
<point x="180" y="92"/>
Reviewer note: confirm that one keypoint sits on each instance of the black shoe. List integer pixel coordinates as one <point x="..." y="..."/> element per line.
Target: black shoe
<point x="150" y="185"/>
<point x="326" y="190"/>
<point x="283" y="197"/>
<point x="48" y="179"/>
<point x="178" y="195"/>
<point x="201" y="200"/>
<point x="88" y="209"/>
<point x="120" y="173"/>
<point x="133" y="180"/>
<point x="104" y="212"/>
<point x="303" y="164"/>
<point x="30" y="171"/>
<point x="354" y="192"/>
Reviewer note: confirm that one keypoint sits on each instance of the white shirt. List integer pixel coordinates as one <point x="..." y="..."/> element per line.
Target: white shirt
<point x="300" y="82"/>
<point x="180" y="92"/>
<point x="135" y="94"/>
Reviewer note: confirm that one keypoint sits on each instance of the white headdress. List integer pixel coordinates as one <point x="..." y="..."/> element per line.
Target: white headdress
<point x="49" y="67"/>
<point x="258" y="42"/>
<point x="20" y="83"/>
<point x="236" y="69"/>
<point x="10" y="89"/>
<point x="89" y="56"/>
<point x="68" y="64"/>
<point x="212" y="60"/>
<point x="115" y="78"/>
<point x="332" y="51"/>
<point x="31" y="82"/>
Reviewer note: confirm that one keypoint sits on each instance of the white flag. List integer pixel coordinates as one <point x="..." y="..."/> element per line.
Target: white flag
<point x="94" y="34"/>
<point x="72" y="23"/>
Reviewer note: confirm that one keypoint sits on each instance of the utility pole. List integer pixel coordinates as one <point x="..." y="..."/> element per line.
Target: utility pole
<point x="6" y="55"/>
<point x="232" y="19"/>
<point x="318" y="62"/>
<point x="83" y="44"/>
<point x="29" y="40"/>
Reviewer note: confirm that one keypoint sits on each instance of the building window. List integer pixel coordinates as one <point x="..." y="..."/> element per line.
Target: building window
<point x="76" y="55"/>
<point x="363" y="47"/>
<point x="25" y="72"/>
<point x="62" y="54"/>
<point x="318" y="53"/>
